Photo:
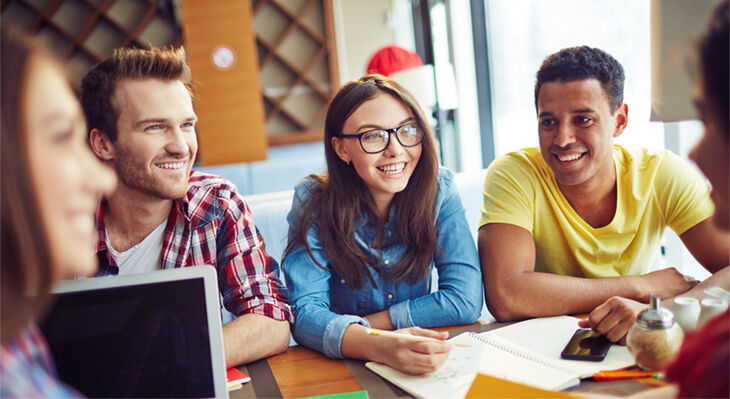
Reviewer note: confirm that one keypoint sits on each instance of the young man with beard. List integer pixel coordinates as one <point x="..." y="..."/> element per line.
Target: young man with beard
<point x="163" y="215"/>
<point x="577" y="221"/>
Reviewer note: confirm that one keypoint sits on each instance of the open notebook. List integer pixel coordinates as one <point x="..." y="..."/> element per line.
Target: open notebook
<point x="526" y="352"/>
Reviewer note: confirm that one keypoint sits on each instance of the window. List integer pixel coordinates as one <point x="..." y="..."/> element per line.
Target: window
<point x="521" y="33"/>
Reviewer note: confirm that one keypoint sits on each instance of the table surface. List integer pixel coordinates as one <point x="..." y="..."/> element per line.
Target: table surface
<point x="301" y="372"/>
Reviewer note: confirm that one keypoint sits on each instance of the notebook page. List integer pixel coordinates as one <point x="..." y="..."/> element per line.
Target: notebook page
<point x="548" y="336"/>
<point x="499" y="358"/>
<point x="454" y="378"/>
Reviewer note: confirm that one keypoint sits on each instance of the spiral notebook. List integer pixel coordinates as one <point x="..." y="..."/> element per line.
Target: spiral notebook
<point x="503" y="356"/>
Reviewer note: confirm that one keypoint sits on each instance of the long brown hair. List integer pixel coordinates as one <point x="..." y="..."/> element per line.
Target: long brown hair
<point x="26" y="273"/>
<point x="341" y="198"/>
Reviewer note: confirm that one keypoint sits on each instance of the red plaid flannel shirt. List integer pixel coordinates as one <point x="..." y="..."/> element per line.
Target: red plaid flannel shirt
<point x="212" y="225"/>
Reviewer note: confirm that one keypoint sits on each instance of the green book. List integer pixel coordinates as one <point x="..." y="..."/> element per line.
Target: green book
<point x="345" y="395"/>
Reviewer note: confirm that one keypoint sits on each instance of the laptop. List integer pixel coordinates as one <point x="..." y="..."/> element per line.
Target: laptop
<point x="149" y="335"/>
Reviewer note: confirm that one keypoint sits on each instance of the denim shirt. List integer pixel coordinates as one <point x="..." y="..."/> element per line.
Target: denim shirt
<point x="324" y="306"/>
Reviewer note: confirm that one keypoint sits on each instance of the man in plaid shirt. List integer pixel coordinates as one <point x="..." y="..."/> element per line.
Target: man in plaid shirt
<point x="163" y="215"/>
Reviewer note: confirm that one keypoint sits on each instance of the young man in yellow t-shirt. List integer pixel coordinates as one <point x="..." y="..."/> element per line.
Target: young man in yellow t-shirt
<point x="569" y="225"/>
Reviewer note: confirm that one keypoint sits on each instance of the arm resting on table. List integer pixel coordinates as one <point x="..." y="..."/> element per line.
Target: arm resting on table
<point x="718" y="279"/>
<point x="614" y="317"/>
<point x="515" y="291"/>
<point x="252" y="337"/>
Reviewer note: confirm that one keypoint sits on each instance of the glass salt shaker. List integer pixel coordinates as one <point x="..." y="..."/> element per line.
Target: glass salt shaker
<point x="655" y="338"/>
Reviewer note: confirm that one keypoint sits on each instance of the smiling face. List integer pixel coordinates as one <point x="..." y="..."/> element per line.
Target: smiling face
<point x="712" y="156"/>
<point x="388" y="172"/>
<point x="68" y="180"/>
<point x="576" y="130"/>
<point x="156" y="143"/>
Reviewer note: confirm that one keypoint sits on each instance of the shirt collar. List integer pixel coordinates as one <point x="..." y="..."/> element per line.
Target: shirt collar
<point x="100" y="231"/>
<point x="180" y="206"/>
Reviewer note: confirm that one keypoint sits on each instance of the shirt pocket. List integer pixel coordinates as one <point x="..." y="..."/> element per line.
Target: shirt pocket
<point x="343" y="300"/>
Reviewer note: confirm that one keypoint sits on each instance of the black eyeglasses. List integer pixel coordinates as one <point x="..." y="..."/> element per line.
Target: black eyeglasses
<point x="377" y="140"/>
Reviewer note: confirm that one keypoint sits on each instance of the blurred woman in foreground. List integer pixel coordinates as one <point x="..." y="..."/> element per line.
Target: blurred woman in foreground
<point x="702" y="367"/>
<point x="703" y="364"/>
<point x="51" y="184"/>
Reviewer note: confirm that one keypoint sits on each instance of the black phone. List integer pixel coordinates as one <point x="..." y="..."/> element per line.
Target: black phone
<point x="586" y="344"/>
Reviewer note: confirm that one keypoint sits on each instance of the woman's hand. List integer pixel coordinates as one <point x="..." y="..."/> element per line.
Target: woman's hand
<point x="402" y="353"/>
<point x="415" y="357"/>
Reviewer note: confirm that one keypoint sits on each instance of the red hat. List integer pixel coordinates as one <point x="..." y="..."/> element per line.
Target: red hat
<point x="392" y="59"/>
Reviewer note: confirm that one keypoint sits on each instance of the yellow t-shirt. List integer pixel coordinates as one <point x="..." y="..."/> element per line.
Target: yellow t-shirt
<point x="654" y="190"/>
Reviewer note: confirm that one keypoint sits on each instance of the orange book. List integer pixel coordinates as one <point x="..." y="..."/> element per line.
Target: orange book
<point x="485" y="386"/>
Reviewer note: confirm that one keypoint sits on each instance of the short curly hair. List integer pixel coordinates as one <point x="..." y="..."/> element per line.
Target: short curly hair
<point x="580" y="63"/>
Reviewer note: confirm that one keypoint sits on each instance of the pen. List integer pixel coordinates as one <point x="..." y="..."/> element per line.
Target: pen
<point x="625" y="374"/>
<point x="375" y="331"/>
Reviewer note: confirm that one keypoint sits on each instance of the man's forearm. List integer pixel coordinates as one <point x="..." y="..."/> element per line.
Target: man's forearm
<point x="252" y="337"/>
<point x="720" y="279"/>
<point x="535" y="294"/>
<point x="624" y="312"/>
<point x="544" y="294"/>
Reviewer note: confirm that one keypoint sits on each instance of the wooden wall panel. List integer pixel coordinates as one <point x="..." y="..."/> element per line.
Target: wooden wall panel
<point x="228" y="102"/>
<point x="298" y="67"/>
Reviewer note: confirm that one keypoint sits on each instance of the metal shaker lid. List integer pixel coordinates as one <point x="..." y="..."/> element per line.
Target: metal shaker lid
<point x="655" y="317"/>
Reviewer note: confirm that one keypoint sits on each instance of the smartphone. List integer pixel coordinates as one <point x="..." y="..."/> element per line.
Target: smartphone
<point x="586" y="344"/>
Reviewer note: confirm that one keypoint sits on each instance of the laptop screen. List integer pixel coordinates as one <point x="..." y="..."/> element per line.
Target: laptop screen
<point x="141" y="340"/>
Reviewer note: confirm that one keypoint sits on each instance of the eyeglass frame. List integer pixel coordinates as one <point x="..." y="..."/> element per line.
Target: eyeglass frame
<point x="391" y="132"/>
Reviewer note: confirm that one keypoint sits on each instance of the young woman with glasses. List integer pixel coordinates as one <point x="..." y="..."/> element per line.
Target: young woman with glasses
<point x="365" y="237"/>
<point x="50" y="191"/>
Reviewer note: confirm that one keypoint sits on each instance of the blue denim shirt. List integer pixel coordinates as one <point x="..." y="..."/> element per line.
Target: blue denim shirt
<point x="324" y="306"/>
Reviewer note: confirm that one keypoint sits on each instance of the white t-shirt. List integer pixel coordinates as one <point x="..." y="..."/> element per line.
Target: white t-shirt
<point x="143" y="257"/>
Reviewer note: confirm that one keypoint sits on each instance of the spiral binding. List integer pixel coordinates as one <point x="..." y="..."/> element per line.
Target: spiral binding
<point x="525" y="355"/>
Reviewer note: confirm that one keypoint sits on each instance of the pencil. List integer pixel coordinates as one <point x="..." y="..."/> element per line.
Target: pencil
<point x="625" y="374"/>
<point x="375" y="331"/>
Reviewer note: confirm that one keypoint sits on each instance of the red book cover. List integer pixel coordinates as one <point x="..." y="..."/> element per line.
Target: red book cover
<point x="236" y="377"/>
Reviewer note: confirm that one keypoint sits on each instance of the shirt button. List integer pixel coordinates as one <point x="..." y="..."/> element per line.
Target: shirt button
<point x="387" y="262"/>
<point x="342" y="281"/>
<point x="390" y="296"/>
